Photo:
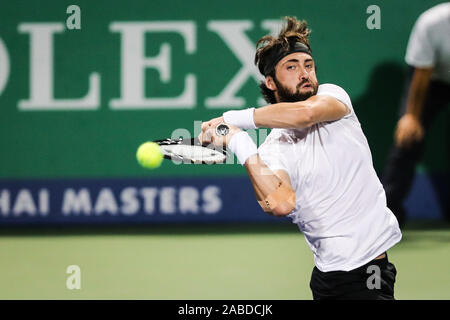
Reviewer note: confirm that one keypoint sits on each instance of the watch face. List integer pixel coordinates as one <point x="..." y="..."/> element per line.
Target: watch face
<point x="222" y="129"/>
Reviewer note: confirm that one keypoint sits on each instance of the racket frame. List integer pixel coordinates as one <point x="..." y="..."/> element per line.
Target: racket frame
<point x="191" y="142"/>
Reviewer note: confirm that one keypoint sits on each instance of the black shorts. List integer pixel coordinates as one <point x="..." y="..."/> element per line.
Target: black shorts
<point x="372" y="281"/>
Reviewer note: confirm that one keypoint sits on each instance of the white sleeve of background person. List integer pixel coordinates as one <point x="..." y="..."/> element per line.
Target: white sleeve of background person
<point x="421" y="51"/>
<point x="340" y="202"/>
<point x="240" y="118"/>
<point x="429" y="44"/>
<point x="242" y="146"/>
<point x="337" y="92"/>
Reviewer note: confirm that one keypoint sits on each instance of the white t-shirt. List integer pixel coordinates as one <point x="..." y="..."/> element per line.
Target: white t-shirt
<point x="429" y="42"/>
<point x="341" y="204"/>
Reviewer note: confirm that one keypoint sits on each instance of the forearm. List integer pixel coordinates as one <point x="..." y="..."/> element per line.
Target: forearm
<point x="263" y="180"/>
<point x="284" y="115"/>
<point x="266" y="184"/>
<point x="418" y="91"/>
<point x="301" y="114"/>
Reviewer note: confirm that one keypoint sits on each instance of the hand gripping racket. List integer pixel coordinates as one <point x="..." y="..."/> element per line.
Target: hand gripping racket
<point x="192" y="151"/>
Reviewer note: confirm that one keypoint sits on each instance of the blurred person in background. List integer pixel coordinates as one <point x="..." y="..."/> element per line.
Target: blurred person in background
<point x="426" y="94"/>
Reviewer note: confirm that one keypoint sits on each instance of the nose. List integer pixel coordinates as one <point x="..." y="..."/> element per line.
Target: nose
<point x="303" y="74"/>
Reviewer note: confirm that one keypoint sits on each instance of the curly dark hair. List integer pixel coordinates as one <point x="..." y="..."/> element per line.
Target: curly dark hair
<point x="293" y="31"/>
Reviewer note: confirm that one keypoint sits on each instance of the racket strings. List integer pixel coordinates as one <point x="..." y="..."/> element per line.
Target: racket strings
<point x="193" y="153"/>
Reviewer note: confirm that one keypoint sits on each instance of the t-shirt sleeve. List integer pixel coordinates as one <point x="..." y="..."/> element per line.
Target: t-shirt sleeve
<point x="420" y="51"/>
<point x="338" y="93"/>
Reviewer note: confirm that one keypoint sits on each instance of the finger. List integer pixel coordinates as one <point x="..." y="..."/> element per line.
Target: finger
<point x="204" y="126"/>
<point x="207" y="136"/>
<point x="200" y="137"/>
<point x="217" y="140"/>
<point x="218" y="121"/>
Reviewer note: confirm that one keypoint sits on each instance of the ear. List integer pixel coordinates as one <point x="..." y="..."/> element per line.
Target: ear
<point x="270" y="84"/>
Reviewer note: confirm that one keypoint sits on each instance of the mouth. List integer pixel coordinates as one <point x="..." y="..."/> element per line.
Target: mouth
<point x="306" y="86"/>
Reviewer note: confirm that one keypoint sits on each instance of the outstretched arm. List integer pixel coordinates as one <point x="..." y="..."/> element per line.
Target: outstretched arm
<point x="288" y="115"/>
<point x="300" y="114"/>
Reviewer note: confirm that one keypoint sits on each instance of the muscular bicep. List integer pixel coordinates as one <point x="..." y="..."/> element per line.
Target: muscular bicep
<point x="326" y="108"/>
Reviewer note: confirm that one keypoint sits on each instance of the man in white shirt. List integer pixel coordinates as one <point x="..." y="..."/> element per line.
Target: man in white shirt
<point x="316" y="168"/>
<point x="426" y="94"/>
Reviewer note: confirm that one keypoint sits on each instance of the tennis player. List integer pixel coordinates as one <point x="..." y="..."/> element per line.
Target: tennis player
<point x="316" y="168"/>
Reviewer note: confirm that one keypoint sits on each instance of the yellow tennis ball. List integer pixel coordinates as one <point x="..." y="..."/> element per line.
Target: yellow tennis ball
<point x="149" y="155"/>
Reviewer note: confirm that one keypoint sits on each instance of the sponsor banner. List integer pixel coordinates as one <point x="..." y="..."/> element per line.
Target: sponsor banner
<point x="93" y="80"/>
<point x="162" y="200"/>
<point x="166" y="200"/>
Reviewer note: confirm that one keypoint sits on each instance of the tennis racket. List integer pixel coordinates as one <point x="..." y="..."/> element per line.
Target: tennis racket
<point x="192" y="151"/>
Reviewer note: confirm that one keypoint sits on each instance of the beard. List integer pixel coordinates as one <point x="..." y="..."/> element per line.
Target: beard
<point x="286" y="95"/>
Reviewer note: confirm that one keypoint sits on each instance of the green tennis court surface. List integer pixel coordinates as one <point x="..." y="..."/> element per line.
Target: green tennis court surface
<point x="197" y="262"/>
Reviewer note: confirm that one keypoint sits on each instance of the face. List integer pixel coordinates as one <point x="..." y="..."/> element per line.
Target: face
<point x="295" y="78"/>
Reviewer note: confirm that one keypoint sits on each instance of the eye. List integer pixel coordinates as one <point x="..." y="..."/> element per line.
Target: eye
<point x="309" y="66"/>
<point x="291" y="67"/>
